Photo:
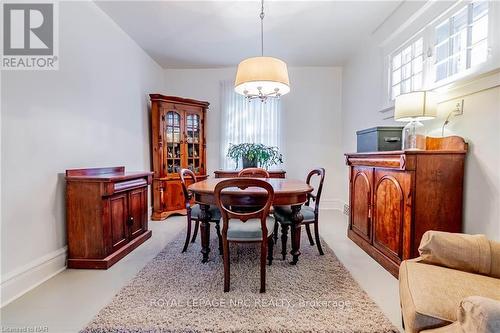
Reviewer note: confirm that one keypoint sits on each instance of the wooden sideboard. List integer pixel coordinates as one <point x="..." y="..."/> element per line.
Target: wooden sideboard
<point x="106" y="215"/>
<point x="234" y="173"/>
<point x="177" y="142"/>
<point x="396" y="196"/>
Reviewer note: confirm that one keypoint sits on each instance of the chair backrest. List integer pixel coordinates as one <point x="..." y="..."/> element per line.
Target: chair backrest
<point x="186" y="174"/>
<point x="260" y="212"/>
<point x="316" y="197"/>
<point x="254" y="172"/>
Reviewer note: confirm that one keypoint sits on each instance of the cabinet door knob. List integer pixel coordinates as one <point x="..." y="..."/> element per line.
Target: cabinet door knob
<point x="130" y="221"/>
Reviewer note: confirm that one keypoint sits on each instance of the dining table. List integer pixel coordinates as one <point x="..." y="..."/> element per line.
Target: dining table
<point x="290" y="192"/>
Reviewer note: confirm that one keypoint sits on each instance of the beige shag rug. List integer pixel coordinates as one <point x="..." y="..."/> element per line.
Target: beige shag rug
<point x="175" y="292"/>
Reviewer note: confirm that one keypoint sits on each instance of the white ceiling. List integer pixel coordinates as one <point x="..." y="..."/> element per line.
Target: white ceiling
<point x="205" y="34"/>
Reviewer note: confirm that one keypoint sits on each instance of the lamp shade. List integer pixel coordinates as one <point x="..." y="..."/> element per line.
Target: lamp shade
<point x="417" y="105"/>
<point x="267" y="73"/>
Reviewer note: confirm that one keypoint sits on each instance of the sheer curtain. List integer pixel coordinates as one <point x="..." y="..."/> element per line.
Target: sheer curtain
<point x="247" y="122"/>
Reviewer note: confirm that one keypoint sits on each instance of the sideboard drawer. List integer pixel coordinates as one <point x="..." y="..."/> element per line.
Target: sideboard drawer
<point x="130" y="184"/>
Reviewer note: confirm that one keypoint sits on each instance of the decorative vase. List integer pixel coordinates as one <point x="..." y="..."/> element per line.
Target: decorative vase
<point x="414" y="136"/>
<point x="249" y="163"/>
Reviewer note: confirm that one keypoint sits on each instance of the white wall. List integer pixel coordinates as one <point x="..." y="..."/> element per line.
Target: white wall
<point x="362" y="98"/>
<point x="91" y="112"/>
<point x="311" y="119"/>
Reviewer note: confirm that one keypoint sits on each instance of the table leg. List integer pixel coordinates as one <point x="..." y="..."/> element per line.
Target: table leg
<point x="205" y="231"/>
<point x="296" y="227"/>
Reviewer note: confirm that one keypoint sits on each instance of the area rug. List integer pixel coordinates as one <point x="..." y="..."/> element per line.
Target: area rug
<point x="175" y="292"/>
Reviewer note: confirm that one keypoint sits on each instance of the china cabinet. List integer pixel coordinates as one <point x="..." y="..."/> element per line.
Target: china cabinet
<point x="178" y="141"/>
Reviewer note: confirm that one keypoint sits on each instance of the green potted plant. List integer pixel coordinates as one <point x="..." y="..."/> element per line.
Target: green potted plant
<point x="254" y="155"/>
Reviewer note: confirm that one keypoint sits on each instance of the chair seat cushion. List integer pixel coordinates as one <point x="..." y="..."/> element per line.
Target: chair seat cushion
<point x="430" y="294"/>
<point x="214" y="211"/>
<point x="248" y="231"/>
<point x="476" y="314"/>
<point x="284" y="213"/>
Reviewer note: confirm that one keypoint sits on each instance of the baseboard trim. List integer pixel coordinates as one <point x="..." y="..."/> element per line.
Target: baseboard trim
<point x="20" y="281"/>
<point x="332" y="204"/>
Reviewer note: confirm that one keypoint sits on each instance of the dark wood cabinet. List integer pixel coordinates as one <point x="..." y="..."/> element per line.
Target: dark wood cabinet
<point x="361" y="202"/>
<point x="106" y="215"/>
<point x="397" y="196"/>
<point x="137" y="202"/>
<point x="234" y="173"/>
<point x="391" y="209"/>
<point x="178" y="142"/>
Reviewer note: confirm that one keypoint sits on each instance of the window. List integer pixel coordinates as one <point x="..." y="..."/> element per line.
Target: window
<point x="461" y="41"/>
<point x="244" y="121"/>
<point x="406" y="69"/>
<point x="457" y="44"/>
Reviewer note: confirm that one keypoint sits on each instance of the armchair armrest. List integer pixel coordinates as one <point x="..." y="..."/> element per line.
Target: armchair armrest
<point x="469" y="253"/>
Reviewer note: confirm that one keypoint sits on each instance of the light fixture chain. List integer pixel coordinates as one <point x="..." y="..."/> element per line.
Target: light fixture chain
<point x="262" y="28"/>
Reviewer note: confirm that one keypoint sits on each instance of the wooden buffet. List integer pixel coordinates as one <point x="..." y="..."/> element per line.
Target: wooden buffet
<point x="177" y="142"/>
<point x="396" y="196"/>
<point x="106" y="215"/>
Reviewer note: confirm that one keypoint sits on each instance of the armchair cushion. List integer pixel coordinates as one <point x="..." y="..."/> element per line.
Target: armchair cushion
<point x="248" y="231"/>
<point x="431" y="294"/>
<point x="476" y="314"/>
<point x="284" y="213"/>
<point x="214" y="211"/>
<point x="469" y="253"/>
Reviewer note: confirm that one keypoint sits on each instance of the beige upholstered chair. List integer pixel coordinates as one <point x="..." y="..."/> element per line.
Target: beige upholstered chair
<point x="454" y="286"/>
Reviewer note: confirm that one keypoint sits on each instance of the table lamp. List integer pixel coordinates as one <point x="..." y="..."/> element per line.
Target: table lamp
<point x="414" y="107"/>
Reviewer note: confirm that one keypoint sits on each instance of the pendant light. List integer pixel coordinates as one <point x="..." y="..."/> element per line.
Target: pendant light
<point x="262" y="77"/>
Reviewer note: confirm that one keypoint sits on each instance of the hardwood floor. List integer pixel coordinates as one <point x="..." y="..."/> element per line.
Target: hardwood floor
<point x="72" y="298"/>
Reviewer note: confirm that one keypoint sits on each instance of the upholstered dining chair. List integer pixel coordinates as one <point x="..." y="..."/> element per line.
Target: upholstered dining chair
<point x="247" y="227"/>
<point x="193" y="211"/>
<point x="283" y="214"/>
<point x="254" y="172"/>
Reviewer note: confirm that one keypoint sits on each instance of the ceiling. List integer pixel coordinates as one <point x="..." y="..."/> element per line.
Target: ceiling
<point x="206" y="34"/>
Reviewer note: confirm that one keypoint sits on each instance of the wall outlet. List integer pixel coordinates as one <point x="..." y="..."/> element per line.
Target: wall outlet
<point x="346" y="210"/>
<point x="453" y="107"/>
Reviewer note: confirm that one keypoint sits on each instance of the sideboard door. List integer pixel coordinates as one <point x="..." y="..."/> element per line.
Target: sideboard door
<point x="118" y="216"/>
<point x="390" y="212"/>
<point x="137" y="219"/>
<point x="361" y="194"/>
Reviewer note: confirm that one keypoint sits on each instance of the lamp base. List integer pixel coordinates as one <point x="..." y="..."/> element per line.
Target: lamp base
<point x="414" y="136"/>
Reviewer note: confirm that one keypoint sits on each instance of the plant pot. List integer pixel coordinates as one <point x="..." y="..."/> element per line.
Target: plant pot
<point x="249" y="163"/>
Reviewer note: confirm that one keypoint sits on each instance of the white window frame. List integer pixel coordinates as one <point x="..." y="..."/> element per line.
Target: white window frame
<point x="427" y="32"/>
<point x="400" y="50"/>
<point x="472" y="70"/>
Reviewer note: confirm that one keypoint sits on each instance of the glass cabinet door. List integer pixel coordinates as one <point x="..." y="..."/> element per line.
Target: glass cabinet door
<point x="193" y="142"/>
<point x="173" y="142"/>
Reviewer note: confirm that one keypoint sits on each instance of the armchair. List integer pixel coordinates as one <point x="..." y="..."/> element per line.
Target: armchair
<point x="454" y="286"/>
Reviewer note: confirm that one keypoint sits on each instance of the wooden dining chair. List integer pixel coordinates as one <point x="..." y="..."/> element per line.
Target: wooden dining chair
<point x="246" y="227"/>
<point x="283" y="214"/>
<point x="193" y="211"/>
<point x="254" y="172"/>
